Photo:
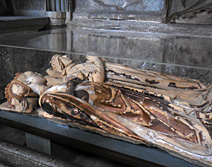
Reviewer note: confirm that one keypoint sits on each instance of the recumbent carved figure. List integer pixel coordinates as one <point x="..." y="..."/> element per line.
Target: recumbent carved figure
<point x="169" y="112"/>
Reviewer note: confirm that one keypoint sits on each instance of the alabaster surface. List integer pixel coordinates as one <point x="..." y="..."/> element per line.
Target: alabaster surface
<point x="135" y="105"/>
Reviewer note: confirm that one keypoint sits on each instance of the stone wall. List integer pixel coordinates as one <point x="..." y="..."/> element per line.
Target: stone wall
<point x="29" y="8"/>
<point x="42" y="9"/>
<point x="122" y="5"/>
<point x="192" y="52"/>
<point x="151" y="10"/>
<point x="92" y="9"/>
<point x="29" y="5"/>
<point x="186" y="11"/>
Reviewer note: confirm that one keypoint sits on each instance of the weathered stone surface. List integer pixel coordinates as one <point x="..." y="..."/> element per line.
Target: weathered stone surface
<point x="152" y="29"/>
<point x="55" y="10"/>
<point x="126" y="5"/>
<point x="13" y="155"/>
<point x="185" y="11"/>
<point x="189" y="11"/>
<point x="12" y="135"/>
<point x="29" y="5"/>
<point x="141" y="10"/>
<point x="122" y="15"/>
<point x="202" y="17"/>
<point x="118" y="47"/>
<point x="192" y="51"/>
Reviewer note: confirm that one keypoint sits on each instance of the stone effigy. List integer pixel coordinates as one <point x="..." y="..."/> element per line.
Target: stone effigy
<point x="143" y="106"/>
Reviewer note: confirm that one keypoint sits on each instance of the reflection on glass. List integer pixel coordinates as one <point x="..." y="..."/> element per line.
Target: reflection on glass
<point x="146" y="47"/>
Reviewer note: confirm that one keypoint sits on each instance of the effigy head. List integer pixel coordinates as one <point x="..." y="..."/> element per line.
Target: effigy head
<point x="23" y="86"/>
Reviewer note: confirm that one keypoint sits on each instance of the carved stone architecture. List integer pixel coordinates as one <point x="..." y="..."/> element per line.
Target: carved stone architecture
<point x="182" y="11"/>
<point x="120" y="10"/>
<point x="189" y="11"/>
<point x="125" y="5"/>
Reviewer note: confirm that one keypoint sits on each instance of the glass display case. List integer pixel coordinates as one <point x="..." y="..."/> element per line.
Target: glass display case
<point x="180" y="54"/>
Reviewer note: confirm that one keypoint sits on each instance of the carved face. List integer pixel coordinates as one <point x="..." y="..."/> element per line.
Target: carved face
<point x="16" y="89"/>
<point x="23" y="90"/>
<point x="30" y="77"/>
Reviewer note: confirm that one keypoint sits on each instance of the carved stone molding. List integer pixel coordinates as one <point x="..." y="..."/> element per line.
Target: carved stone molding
<point x="185" y="9"/>
<point x="118" y="6"/>
<point x="122" y="5"/>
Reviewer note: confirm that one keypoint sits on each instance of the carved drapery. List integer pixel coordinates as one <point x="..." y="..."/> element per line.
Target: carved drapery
<point x="134" y="105"/>
<point x="186" y="8"/>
